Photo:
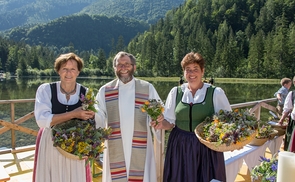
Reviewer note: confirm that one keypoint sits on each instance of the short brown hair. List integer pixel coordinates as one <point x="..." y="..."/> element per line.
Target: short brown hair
<point x="63" y="58"/>
<point x="285" y="81"/>
<point x="193" y="58"/>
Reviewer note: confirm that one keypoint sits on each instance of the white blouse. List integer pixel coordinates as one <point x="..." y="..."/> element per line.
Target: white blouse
<point x="220" y="100"/>
<point x="43" y="113"/>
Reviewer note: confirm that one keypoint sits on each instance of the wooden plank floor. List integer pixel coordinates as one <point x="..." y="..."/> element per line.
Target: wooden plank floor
<point x="20" y="166"/>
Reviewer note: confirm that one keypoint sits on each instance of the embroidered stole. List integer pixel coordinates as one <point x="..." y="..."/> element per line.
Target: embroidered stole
<point x="139" y="140"/>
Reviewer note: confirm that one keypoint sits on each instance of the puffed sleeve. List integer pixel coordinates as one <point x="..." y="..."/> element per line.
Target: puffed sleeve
<point x="288" y="105"/>
<point x="42" y="111"/>
<point x="169" y="112"/>
<point x="220" y="100"/>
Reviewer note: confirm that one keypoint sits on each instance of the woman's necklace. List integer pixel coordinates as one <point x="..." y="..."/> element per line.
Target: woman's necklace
<point x="68" y="93"/>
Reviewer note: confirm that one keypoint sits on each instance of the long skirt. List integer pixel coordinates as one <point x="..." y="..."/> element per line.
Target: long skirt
<point x="51" y="166"/>
<point x="292" y="143"/>
<point x="188" y="160"/>
<point x="289" y="131"/>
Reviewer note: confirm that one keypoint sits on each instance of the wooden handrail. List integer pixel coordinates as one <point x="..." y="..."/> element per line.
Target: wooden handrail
<point x="16" y="101"/>
<point x="255" y="107"/>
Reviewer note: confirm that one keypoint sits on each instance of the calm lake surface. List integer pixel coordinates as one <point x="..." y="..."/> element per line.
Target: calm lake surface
<point x="14" y="88"/>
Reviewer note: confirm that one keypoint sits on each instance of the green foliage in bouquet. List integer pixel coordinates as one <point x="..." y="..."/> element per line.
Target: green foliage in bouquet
<point x="229" y="127"/>
<point x="264" y="130"/>
<point x="88" y="100"/>
<point x="153" y="108"/>
<point x="266" y="171"/>
<point x="80" y="138"/>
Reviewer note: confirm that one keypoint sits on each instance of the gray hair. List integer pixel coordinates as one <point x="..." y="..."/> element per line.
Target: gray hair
<point x="122" y="54"/>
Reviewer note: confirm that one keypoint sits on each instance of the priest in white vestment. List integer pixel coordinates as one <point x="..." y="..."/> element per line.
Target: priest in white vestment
<point x="124" y="93"/>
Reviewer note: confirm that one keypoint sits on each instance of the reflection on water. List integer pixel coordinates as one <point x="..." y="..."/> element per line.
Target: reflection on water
<point x="26" y="88"/>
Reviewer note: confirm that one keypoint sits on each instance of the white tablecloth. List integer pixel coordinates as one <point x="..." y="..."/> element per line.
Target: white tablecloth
<point x="248" y="154"/>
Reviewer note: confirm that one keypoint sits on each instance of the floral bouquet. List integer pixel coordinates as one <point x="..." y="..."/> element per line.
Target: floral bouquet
<point x="227" y="128"/>
<point x="79" y="137"/>
<point x="266" y="171"/>
<point x="274" y="122"/>
<point x="153" y="108"/>
<point x="264" y="130"/>
<point x="88" y="101"/>
<point x="264" y="133"/>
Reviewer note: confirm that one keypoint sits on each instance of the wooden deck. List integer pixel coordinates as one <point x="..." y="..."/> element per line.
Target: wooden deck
<point x="19" y="166"/>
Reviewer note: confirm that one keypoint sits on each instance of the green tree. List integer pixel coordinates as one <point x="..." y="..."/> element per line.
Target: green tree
<point x="279" y="44"/>
<point x="255" y="59"/>
<point x="102" y="60"/>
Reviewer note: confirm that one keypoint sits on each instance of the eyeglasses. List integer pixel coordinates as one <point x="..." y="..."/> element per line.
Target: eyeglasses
<point x="126" y="65"/>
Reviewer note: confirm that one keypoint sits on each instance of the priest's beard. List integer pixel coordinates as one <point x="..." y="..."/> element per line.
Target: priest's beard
<point x="125" y="78"/>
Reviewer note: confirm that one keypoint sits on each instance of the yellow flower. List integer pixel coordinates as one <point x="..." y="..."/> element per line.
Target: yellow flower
<point x="82" y="147"/>
<point x="69" y="149"/>
<point x="142" y="110"/>
<point x="221" y="135"/>
<point x="88" y="100"/>
<point x="80" y="138"/>
<point x="153" y="108"/>
<point x="229" y="127"/>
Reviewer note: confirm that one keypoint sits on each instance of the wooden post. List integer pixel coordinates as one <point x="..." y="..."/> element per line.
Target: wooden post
<point x="159" y="155"/>
<point x="12" y="114"/>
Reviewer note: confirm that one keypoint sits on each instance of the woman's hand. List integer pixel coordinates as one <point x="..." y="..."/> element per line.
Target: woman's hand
<point x="83" y="114"/>
<point x="158" y="123"/>
<point x="78" y="113"/>
<point x="161" y="123"/>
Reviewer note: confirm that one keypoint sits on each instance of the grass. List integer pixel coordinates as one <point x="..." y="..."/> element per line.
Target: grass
<point x="219" y="80"/>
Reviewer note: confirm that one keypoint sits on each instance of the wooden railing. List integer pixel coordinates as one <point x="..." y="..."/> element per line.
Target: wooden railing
<point x="13" y="125"/>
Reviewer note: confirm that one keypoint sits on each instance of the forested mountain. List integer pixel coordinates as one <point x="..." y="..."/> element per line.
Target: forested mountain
<point x="149" y="11"/>
<point x="238" y="38"/>
<point x="81" y="32"/>
<point x="15" y="13"/>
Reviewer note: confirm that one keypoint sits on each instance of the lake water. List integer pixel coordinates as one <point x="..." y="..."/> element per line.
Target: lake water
<point x="14" y="88"/>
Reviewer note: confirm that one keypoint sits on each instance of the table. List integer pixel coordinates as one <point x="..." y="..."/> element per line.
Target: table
<point x="250" y="155"/>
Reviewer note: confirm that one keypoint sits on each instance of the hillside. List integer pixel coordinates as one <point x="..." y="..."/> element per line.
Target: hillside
<point x="238" y="39"/>
<point x="83" y="32"/>
<point x="148" y="11"/>
<point x="15" y="13"/>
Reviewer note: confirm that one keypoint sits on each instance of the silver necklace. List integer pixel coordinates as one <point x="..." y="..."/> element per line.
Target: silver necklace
<point x="68" y="93"/>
